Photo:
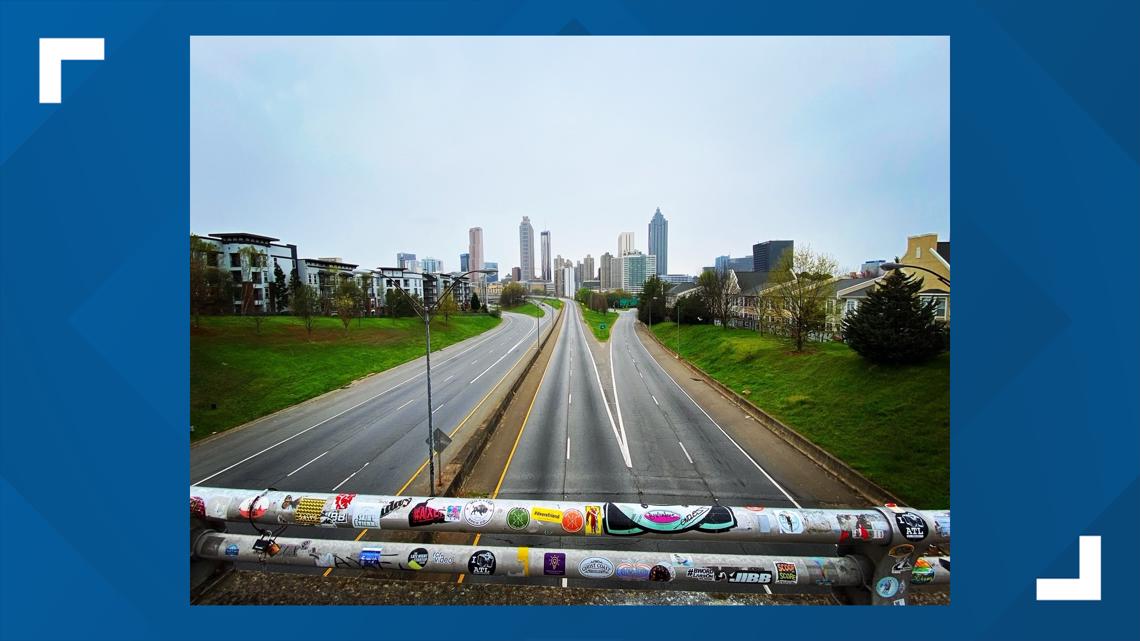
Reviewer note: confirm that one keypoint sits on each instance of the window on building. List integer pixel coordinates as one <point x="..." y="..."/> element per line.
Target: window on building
<point x="918" y="252"/>
<point x="852" y="305"/>
<point x="235" y="260"/>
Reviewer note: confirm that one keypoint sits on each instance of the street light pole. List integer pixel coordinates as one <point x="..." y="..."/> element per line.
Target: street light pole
<point x="890" y="266"/>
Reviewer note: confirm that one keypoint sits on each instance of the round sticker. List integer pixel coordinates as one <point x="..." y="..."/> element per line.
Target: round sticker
<point x="258" y="509"/>
<point x="479" y="513"/>
<point x="595" y="567"/>
<point x="790" y="522"/>
<point x="482" y="563"/>
<point x="912" y="525"/>
<point x="899" y="551"/>
<point x="417" y="559"/>
<point x="518" y="518"/>
<point x="887" y="587"/>
<point x="661" y="572"/>
<point x="572" y="520"/>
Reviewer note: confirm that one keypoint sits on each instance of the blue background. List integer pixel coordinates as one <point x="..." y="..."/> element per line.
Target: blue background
<point x="1045" y="199"/>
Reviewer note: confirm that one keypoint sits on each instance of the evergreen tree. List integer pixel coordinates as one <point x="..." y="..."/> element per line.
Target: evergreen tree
<point x="278" y="290"/>
<point x="893" y="326"/>
<point x="475" y="306"/>
<point x="651" y="303"/>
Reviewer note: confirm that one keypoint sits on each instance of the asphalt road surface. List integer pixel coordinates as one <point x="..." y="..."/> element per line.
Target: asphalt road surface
<point x="622" y="430"/>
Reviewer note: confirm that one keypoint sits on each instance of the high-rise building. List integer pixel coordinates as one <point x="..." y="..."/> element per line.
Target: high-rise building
<point x="475" y="248"/>
<point x="604" y="271"/>
<point x="526" y="248"/>
<point x="516" y="274"/>
<point x="545" y="256"/>
<point x="432" y="265"/>
<point x="659" y="241"/>
<point x="636" y="269"/>
<point x="492" y="278"/>
<point x="403" y="258"/>
<point x="767" y="255"/>
<point x="588" y="271"/>
<point x="625" y="243"/>
<point x="615" y="272"/>
<point x="742" y="264"/>
<point x="464" y="263"/>
<point x="721" y="263"/>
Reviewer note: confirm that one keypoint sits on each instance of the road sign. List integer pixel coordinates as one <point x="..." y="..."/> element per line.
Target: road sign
<point x="601" y="325"/>
<point x="441" y="440"/>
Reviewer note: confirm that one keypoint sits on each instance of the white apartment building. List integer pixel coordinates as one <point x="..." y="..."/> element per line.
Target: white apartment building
<point x="226" y="254"/>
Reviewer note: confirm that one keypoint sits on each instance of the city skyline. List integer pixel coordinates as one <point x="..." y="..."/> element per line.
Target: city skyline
<point x="837" y="143"/>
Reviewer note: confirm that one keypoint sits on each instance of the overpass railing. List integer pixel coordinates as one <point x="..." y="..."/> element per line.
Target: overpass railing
<point x="880" y="549"/>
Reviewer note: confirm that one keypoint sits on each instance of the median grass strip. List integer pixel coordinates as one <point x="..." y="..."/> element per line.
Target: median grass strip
<point x="553" y="302"/>
<point x="595" y="321"/>
<point x="892" y="424"/>
<point x="237" y="375"/>
<point x="529" y="309"/>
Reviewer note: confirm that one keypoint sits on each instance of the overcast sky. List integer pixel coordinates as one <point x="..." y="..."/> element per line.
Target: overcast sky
<point x="365" y="147"/>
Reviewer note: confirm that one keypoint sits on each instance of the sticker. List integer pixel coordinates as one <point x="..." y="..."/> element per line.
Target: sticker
<point x="231" y="550"/>
<point x="816" y="521"/>
<point x="763" y="523"/>
<point x="894" y="508"/>
<point x="887" y="587"/>
<point x="912" y="525"/>
<point x="369" y="557"/>
<point x="682" y="560"/>
<point x="366" y="515"/>
<point x="554" y="564"/>
<point x="790" y="522"/>
<point x="750" y="575"/>
<point x="219" y="505"/>
<point x="786" y="572"/>
<point x="856" y="527"/>
<point x="662" y="572"/>
<point x="258" y="507"/>
<point x="342" y="501"/>
<point x="524" y="562"/>
<point x="661" y="517"/>
<point x="479" y="512"/>
<point x="630" y="571"/>
<point x="421" y="515"/>
<point x="923" y="572"/>
<point x="902" y="565"/>
<point x="518" y="518"/>
<point x="572" y="520"/>
<point x="308" y="511"/>
<point x="417" y="559"/>
<point x="546" y="515"/>
<point x="899" y="602"/>
<point x="624" y="519"/>
<point x="453" y="514"/>
<point x="754" y="508"/>
<point x="197" y="507"/>
<point x="333" y="518"/>
<point x="595" y="567"/>
<point x="701" y="574"/>
<point x="442" y="559"/>
<point x="899" y="551"/>
<point x="326" y="560"/>
<point x="392" y="506"/>
<point x="593" y="520"/>
<point x="482" y="563"/>
<point x="942" y="525"/>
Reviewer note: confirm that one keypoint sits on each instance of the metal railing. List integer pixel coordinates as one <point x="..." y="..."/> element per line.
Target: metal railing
<point x="881" y="549"/>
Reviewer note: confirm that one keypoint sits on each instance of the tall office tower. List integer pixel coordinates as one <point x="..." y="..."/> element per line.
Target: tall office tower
<point x="475" y="248"/>
<point x="492" y="278"/>
<point x="588" y="271"/>
<point x="526" y="248"/>
<point x="402" y="258"/>
<point x="464" y="263"/>
<point x="516" y="274"/>
<point x="432" y="265"/>
<point x="659" y="241"/>
<point x="721" y="263"/>
<point x="604" y="272"/>
<point x="546" y="256"/>
<point x="579" y="270"/>
<point x="625" y="243"/>
<point x="766" y="256"/>
<point x="636" y="269"/>
<point x="615" y="272"/>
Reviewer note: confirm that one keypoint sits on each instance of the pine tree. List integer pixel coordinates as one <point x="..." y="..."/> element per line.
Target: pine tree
<point x="475" y="302"/>
<point x="893" y="326"/>
<point x="278" y="289"/>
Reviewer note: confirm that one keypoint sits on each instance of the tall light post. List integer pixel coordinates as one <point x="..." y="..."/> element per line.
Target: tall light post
<point x="424" y="312"/>
<point x="890" y="266"/>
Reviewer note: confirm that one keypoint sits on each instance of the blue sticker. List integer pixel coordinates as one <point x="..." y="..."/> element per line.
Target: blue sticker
<point x="370" y="557"/>
<point x="231" y="550"/>
<point x="887" y="587"/>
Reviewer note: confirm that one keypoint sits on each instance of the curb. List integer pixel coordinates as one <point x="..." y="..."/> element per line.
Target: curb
<point x="843" y="472"/>
<point x="462" y="462"/>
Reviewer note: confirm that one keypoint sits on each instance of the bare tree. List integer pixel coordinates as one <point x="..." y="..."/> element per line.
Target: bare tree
<point x="447" y="306"/>
<point x="798" y="291"/>
<point x="252" y="263"/>
<point x="347" y="301"/>
<point x="306" y="304"/>
<point x="717" y="290"/>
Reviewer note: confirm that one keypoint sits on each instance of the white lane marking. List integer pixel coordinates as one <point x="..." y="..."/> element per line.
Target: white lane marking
<point x="410" y="401"/>
<point x="655" y="400"/>
<point x="449" y="378"/>
<point x="371" y="398"/>
<point x="617" y="403"/>
<point x="598" y="377"/>
<point x="686" y="452"/>
<point x="349" y="477"/>
<point x="563" y="582"/>
<point x="498" y="361"/>
<point x="570" y="399"/>
<point x="766" y="588"/>
<point x="567" y="448"/>
<point x="306" y="464"/>
<point x="731" y="440"/>
<point x="438" y="406"/>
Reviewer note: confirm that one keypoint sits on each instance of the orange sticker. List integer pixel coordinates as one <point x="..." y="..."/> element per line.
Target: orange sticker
<point x="572" y="520"/>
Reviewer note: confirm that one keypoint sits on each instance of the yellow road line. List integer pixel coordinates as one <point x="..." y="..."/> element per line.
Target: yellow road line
<point x="514" y="447"/>
<point x="453" y="432"/>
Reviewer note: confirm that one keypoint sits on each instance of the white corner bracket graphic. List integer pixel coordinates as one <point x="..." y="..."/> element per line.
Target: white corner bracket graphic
<point x="1086" y="587"/>
<point x="53" y="51"/>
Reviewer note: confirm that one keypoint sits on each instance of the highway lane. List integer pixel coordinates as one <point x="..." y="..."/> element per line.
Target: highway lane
<point x="370" y="436"/>
<point x="661" y="448"/>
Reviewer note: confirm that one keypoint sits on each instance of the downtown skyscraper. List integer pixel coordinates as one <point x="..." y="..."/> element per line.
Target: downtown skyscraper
<point x="475" y="248"/>
<point x="545" y="269"/>
<point x="659" y="241"/>
<point x="526" y="249"/>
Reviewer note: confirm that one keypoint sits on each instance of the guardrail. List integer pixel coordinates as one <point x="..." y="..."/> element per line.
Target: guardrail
<point x="881" y="549"/>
